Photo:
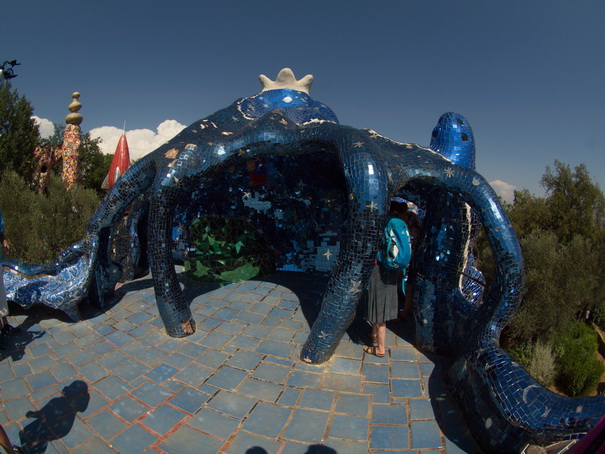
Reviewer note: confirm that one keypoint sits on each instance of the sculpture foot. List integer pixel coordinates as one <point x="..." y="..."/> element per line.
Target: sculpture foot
<point x="184" y="329"/>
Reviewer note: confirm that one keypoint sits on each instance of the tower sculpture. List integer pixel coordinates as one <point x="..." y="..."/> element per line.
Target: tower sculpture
<point x="70" y="149"/>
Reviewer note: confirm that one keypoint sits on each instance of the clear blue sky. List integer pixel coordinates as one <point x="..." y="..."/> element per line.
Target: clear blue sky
<point x="528" y="75"/>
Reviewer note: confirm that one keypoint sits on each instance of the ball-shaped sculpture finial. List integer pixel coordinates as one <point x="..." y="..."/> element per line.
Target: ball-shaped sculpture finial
<point x="286" y="79"/>
<point x="74" y="118"/>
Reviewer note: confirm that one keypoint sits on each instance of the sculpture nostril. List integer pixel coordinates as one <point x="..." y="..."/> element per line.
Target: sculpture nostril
<point x="464" y="137"/>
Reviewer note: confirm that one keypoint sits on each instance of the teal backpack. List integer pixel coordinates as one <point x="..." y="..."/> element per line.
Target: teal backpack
<point x="396" y="250"/>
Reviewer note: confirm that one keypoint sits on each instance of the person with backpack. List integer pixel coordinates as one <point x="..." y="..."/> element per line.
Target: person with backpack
<point x="392" y="259"/>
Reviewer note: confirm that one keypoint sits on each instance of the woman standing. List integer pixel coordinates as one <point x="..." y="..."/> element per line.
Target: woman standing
<point x="382" y="301"/>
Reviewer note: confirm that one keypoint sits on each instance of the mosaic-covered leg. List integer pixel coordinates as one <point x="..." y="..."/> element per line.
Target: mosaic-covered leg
<point x="173" y="308"/>
<point x="368" y="206"/>
<point x="177" y="182"/>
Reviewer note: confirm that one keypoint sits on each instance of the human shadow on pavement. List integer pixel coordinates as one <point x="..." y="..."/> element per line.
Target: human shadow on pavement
<point x="15" y="343"/>
<point x="55" y="419"/>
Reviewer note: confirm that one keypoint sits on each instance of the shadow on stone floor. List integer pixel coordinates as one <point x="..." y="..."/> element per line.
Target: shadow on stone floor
<point x="55" y="420"/>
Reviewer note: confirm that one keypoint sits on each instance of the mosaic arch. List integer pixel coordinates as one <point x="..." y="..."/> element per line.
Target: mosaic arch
<point x="320" y="191"/>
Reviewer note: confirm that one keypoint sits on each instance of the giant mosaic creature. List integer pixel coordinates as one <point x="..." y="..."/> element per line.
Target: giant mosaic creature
<point x="320" y="191"/>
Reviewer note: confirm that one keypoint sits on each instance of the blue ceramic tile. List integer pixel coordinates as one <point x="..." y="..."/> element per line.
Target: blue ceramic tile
<point x="425" y="435"/>
<point x="133" y="440"/>
<point x="350" y="427"/>
<point x="231" y="404"/>
<point x="389" y="414"/>
<point x="129" y="409"/>
<point x="161" y="373"/>
<point x="346" y="366"/>
<point x="130" y="370"/>
<point x="406" y="388"/>
<point x="304" y="379"/>
<point x="214" y="423"/>
<point x="403" y="354"/>
<point x="352" y="404"/>
<point x="112" y="387"/>
<point x="151" y="394"/>
<point x="389" y="437"/>
<point x="77" y="434"/>
<point x="267" y="420"/>
<point x="378" y="373"/>
<point x="260" y="389"/>
<point x="404" y="369"/>
<point x="113" y="359"/>
<point x="271" y="372"/>
<point x="189" y="400"/>
<point x="227" y="378"/>
<point x="275" y="348"/>
<point x="289" y="397"/>
<point x="41" y="380"/>
<point x="163" y="419"/>
<point x="106" y="424"/>
<point x="317" y="399"/>
<point x="194" y="375"/>
<point x="307" y="426"/>
<point x="245" y="360"/>
<point x="421" y="409"/>
<point x="251" y="444"/>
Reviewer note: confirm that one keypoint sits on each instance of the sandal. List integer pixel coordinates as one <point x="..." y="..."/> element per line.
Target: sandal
<point x="373" y="350"/>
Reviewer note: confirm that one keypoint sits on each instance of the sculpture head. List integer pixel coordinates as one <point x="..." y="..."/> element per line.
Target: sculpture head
<point x="289" y="95"/>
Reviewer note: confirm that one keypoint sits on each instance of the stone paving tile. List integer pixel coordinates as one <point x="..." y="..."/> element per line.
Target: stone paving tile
<point x="133" y="440"/>
<point x="267" y="420"/>
<point x="163" y="419"/>
<point x="128" y="409"/>
<point x="389" y="437"/>
<point x="349" y="427"/>
<point x="106" y="424"/>
<point x="189" y="400"/>
<point x="243" y="441"/>
<point x="307" y="426"/>
<point x="232" y="404"/>
<point x="233" y="385"/>
<point x="425" y="434"/>
<point x="260" y="389"/>
<point x="214" y="423"/>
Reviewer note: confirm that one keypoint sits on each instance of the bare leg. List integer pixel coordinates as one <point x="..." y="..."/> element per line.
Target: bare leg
<point x="5" y="442"/>
<point x="407" y="305"/>
<point x="381" y="331"/>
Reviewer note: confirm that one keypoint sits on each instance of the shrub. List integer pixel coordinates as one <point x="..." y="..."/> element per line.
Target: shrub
<point x="542" y="365"/>
<point x="40" y="227"/>
<point x="539" y="359"/>
<point x="579" y="370"/>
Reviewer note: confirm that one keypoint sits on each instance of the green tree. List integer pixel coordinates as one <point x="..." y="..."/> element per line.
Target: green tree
<point x="19" y="134"/>
<point x="561" y="285"/>
<point x="576" y="205"/>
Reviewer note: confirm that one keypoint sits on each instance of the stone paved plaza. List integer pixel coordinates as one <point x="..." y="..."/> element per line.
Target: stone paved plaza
<point x="116" y="383"/>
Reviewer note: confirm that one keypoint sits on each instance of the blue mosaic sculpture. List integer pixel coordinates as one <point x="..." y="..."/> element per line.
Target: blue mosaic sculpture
<point x="320" y="191"/>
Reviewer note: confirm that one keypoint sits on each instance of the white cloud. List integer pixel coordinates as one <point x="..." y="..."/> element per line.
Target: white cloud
<point x="47" y="128"/>
<point x="140" y="141"/>
<point x="504" y="190"/>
